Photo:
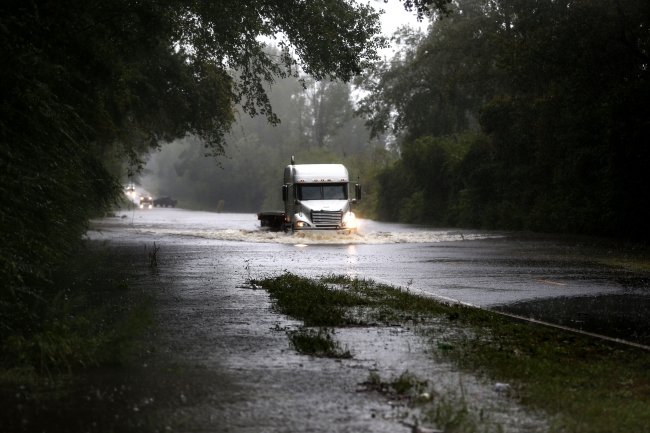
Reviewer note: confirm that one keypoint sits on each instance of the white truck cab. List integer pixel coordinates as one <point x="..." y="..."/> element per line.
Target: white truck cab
<point x="316" y="197"/>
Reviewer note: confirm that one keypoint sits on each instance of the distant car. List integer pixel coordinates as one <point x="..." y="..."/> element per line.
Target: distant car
<point x="146" y="202"/>
<point x="165" y="202"/>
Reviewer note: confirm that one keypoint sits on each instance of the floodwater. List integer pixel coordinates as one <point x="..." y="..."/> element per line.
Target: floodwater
<point x="554" y="279"/>
<point x="240" y="372"/>
<point x="219" y="360"/>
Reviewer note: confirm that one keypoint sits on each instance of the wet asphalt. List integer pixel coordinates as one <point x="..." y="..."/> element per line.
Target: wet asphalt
<point x="559" y="279"/>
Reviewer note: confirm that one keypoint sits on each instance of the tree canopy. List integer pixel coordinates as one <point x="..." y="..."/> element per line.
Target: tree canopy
<point x="138" y="72"/>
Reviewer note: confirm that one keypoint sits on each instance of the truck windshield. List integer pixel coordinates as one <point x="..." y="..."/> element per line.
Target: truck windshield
<point x="337" y="191"/>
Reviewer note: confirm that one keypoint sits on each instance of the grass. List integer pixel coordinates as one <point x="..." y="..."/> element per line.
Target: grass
<point x="405" y="385"/>
<point x="582" y="383"/>
<point x="450" y="413"/>
<point x="616" y="253"/>
<point x="633" y="263"/>
<point x="407" y="382"/>
<point x="317" y="343"/>
<point x="153" y="256"/>
<point x="335" y="301"/>
<point x="87" y="315"/>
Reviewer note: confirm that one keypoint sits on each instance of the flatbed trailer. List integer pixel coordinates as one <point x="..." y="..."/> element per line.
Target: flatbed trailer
<point x="273" y="220"/>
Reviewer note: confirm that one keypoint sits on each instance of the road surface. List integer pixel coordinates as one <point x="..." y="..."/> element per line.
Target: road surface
<point x="558" y="279"/>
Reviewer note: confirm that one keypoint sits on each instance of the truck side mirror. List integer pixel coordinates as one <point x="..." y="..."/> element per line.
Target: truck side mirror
<point x="285" y="192"/>
<point x="357" y="190"/>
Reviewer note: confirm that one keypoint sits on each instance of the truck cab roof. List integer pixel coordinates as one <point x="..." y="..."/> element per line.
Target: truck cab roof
<point x="316" y="173"/>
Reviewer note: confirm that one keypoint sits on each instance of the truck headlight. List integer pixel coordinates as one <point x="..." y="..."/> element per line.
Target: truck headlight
<point x="302" y="224"/>
<point x="350" y="222"/>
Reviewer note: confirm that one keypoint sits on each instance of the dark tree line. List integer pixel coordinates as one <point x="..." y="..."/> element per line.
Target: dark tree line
<point x="557" y="94"/>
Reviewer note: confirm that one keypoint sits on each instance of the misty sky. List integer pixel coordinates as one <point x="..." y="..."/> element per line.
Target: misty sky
<point x="395" y="17"/>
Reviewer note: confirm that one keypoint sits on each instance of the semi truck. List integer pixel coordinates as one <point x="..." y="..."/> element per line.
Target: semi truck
<point x="316" y="197"/>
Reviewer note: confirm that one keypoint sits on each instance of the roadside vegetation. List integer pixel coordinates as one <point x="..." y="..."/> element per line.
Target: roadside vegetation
<point x="517" y="116"/>
<point x="635" y="256"/>
<point x="319" y="343"/>
<point x="87" y="314"/>
<point x="583" y="384"/>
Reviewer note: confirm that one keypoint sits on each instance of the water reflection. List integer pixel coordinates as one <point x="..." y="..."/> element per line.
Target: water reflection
<point x="352" y="261"/>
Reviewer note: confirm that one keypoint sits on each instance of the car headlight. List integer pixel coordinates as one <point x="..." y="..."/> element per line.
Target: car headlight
<point x="141" y="206"/>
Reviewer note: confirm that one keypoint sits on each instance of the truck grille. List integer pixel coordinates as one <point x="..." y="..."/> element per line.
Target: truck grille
<point x="324" y="218"/>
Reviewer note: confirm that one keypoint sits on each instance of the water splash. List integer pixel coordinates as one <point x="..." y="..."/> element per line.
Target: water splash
<point x="326" y="237"/>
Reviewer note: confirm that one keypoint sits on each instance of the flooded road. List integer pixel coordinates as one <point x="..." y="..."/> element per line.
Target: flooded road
<point x="549" y="278"/>
<point x="223" y="361"/>
<point x="219" y="360"/>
